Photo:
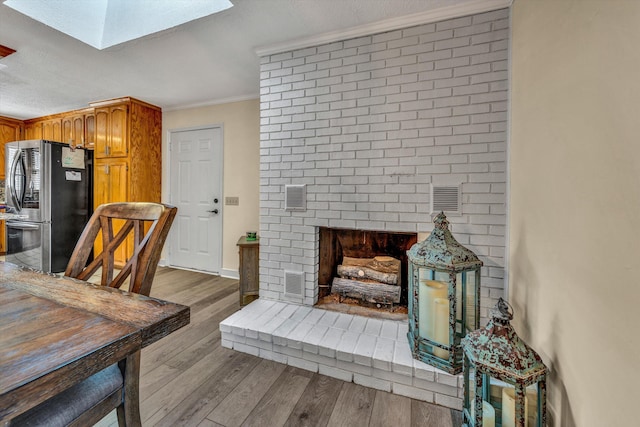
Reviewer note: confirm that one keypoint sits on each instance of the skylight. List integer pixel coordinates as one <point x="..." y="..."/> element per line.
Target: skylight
<point x="105" y="23"/>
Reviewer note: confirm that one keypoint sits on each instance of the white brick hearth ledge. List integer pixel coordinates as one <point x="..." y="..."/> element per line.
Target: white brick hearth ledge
<point x="368" y="351"/>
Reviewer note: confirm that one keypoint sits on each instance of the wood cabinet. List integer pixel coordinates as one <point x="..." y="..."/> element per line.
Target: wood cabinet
<point x="10" y="130"/>
<point x="32" y="129"/>
<point x="111" y="132"/>
<point x="111" y="184"/>
<point x="128" y="164"/>
<point x="44" y="128"/>
<point x="126" y="135"/>
<point x="249" y="270"/>
<point x="78" y="128"/>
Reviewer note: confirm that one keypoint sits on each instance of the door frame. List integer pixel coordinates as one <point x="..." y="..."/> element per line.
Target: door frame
<point x="166" y="259"/>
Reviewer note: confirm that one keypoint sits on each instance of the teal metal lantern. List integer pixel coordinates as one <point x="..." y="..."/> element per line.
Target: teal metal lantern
<point x="504" y="379"/>
<point x="444" y="297"/>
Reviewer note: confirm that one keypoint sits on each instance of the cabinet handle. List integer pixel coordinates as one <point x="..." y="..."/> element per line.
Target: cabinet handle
<point x="107" y="151"/>
<point x="106" y="169"/>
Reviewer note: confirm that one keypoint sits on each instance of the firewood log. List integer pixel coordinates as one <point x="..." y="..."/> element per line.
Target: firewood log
<point x="371" y="292"/>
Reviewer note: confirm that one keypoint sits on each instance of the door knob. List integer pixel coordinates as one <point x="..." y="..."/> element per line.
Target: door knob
<point x="215" y="200"/>
<point x="215" y="211"/>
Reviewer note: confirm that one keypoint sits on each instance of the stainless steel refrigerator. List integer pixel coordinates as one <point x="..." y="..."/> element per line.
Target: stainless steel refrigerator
<point x="51" y="186"/>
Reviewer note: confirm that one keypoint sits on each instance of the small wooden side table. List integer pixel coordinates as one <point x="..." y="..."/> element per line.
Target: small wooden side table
<point x="249" y="269"/>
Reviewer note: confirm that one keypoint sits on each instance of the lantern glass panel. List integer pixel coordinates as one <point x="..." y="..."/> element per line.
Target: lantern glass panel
<point x="470" y="285"/>
<point x="433" y="310"/>
<point x="499" y="402"/>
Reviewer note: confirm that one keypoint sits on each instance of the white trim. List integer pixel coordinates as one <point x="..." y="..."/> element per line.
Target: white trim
<point x="426" y="17"/>
<point x="229" y="273"/>
<point x="505" y="282"/>
<point x="230" y="100"/>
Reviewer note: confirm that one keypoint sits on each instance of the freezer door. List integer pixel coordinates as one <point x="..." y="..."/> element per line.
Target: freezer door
<point x="29" y="245"/>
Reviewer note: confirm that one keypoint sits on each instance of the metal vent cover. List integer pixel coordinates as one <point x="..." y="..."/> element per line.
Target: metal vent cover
<point x="446" y="198"/>
<point x="293" y="283"/>
<point x="295" y="197"/>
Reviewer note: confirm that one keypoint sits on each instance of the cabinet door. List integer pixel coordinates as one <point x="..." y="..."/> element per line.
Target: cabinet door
<point x="102" y="132"/>
<point x="77" y="130"/>
<point x="47" y="130"/>
<point x="52" y="130"/>
<point x="90" y="130"/>
<point x="67" y="130"/>
<point x="8" y="133"/>
<point x="56" y="128"/>
<point x="111" y="185"/>
<point x="33" y="131"/>
<point x="111" y="132"/>
<point x="118" y="141"/>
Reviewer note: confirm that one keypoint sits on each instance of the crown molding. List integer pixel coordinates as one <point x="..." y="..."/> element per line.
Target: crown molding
<point x="248" y="97"/>
<point x="435" y="15"/>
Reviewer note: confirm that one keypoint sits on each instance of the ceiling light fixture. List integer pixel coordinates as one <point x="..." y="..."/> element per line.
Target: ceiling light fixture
<point x="105" y="23"/>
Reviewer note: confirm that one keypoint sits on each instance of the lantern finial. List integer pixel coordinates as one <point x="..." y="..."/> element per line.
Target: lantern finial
<point x="441" y="221"/>
<point x="502" y="312"/>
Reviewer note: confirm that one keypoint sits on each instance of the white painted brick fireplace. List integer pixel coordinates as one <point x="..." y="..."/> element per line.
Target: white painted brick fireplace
<point x="368" y="125"/>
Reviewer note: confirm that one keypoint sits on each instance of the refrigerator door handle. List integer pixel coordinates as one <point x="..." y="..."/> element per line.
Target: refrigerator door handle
<point x="22" y="226"/>
<point x="14" y="195"/>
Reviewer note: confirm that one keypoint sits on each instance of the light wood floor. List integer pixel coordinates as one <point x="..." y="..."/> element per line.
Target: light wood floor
<point x="188" y="379"/>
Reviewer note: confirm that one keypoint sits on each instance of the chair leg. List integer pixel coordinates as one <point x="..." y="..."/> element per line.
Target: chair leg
<point x="129" y="409"/>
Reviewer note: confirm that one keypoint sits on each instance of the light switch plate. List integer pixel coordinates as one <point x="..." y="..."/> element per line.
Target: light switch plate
<point x="232" y="201"/>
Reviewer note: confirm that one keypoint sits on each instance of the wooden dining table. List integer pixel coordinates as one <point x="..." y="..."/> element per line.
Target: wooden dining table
<point x="56" y="331"/>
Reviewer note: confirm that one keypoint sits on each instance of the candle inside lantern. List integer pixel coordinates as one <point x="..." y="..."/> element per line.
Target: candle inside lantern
<point x="509" y="407"/>
<point x="488" y="414"/>
<point x="441" y="326"/>
<point x="432" y="317"/>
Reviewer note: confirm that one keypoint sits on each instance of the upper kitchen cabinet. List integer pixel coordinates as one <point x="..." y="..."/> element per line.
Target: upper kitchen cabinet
<point x="52" y="129"/>
<point x="130" y="130"/>
<point x="49" y="128"/>
<point x="10" y="130"/>
<point x="32" y="129"/>
<point x="112" y="131"/>
<point x="78" y="128"/>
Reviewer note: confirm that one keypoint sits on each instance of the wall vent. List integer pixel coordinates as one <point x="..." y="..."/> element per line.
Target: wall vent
<point x="446" y="198"/>
<point x="295" y="197"/>
<point x="293" y="283"/>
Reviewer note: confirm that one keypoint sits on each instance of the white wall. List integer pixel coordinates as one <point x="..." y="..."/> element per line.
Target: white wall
<point x="368" y="124"/>
<point x="575" y="202"/>
<point x="240" y="121"/>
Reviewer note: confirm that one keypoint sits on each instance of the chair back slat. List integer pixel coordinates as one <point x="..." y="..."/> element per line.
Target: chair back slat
<point x="147" y="247"/>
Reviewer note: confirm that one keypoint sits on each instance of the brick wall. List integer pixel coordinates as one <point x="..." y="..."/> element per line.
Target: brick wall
<point x="368" y="124"/>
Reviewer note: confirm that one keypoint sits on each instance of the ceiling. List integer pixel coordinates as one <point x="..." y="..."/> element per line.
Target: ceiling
<point x="206" y="61"/>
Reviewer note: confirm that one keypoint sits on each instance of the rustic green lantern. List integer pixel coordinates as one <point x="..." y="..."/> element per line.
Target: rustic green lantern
<point x="444" y="297"/>
<point x="504" y="379"/>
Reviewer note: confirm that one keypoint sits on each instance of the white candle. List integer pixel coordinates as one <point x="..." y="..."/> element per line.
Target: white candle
<point x="428" y="292"/>
<point x="441" y="326"/>
<point x="509" y="407"/>
<point x="488" y="414"/>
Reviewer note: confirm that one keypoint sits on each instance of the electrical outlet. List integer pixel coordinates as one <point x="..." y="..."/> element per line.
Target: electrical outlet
<point x="232" y="201"/>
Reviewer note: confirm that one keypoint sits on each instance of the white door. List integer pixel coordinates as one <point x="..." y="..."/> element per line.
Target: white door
<point x="195" y="241"/>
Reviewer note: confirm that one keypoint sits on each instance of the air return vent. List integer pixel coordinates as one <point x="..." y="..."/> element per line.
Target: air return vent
<point x="446" y="198"/>
<point x="293" y="283"/>
<point x="295" y="197"/>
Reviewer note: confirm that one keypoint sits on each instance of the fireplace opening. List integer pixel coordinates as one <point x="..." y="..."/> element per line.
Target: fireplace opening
<point x="364" y="272"/>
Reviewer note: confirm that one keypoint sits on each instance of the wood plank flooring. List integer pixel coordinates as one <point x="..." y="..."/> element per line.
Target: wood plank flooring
<point x="188" y="379"/>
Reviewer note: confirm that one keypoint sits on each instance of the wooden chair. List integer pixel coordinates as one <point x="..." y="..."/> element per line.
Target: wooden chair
<point x="117" y="386"/>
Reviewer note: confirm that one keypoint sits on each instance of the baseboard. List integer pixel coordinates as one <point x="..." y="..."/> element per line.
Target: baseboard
<point x="229" y="273"/>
